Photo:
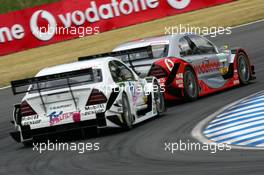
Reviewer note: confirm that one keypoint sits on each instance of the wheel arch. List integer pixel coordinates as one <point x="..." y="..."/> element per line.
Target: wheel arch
<point x="188" y="65"/>
<point x="236" y="52"/>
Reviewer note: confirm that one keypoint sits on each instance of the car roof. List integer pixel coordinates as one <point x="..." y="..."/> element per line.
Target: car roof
<point x="94" y="63"/>
<point x="156" y="40"/>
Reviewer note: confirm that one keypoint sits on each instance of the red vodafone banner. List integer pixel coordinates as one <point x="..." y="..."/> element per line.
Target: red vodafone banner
<point x="70" y="19"/>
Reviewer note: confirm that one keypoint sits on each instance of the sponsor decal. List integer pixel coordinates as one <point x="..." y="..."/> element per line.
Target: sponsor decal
<point x="15" y="32"/>
<point x="94" y="109"/>
<point x="47" y="35"/>
<point x="179" y="80"/>
<point x="179" y="76"/>
<point x="59" y="107"/>
<point x="207" y="67"/>
<point x="56" y="117"/>
<point x="136" y="90"/>
<point x="236" y="82"/>
<point x="236" y="74"/>
<point x="162" y="82"/>
<point x="180" y="85"/>
<point x="30" y="120"/>
<point x="33" y="122"/>
<point x="133" y="91"/>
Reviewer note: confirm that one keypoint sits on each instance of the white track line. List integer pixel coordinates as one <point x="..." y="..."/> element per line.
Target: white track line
<point x="260" y="145"/>
<point x="238" y="26"/>
<point x="251" y="141"/>
<point x="234" y="116"/>
<point x="6" y="87"/>
<point x="250" y="102"/>
<point x="237" y="133"/>
<point x="232" y="124"/>
<point x="245" y="137"/>
<point x="235" y="128"/>
<point x="247" y="24"/>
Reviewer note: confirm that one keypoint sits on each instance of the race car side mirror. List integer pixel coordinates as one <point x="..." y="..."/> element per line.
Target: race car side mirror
<point x="223" y="48"/>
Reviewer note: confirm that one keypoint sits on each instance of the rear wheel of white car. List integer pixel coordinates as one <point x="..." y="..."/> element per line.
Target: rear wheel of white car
<point x="126" y="116"/>
<point x="159" y="99"/>
<point x="243" y="68"/>
<point x="190" y="85"/>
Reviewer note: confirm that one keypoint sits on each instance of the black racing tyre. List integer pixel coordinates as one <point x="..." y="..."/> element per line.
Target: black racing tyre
<point x="17" y="114"/>
<point x="28" y="143"/>
<point x="190" y="85"/>
<point x="243" y="68"/>
<point x="159" y="99"/>
<point x="126" y="116"/>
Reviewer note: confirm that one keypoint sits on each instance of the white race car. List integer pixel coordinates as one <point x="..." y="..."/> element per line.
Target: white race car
<point x="97" y="93"/>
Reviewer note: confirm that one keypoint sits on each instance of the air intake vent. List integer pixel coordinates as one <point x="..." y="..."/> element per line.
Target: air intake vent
<point x="157" y="71"/>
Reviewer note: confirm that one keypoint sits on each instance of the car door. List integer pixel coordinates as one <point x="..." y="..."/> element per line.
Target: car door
<point x="208" y="63"/>
<point x="189" y="53"/>
<point x="124" y="76"/>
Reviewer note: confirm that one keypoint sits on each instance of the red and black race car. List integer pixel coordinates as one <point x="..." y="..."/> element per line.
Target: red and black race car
<point x="188" y="65"/>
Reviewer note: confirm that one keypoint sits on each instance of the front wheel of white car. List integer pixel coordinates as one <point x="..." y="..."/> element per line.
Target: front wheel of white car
<point x="159" y="99"/>
<point x="126" y="116"/>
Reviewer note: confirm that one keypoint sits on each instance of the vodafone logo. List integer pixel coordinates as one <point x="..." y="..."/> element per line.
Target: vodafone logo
<point x="169" y="64"/>
<point x="44" y="25"/>
<point x="48" y="34"/>
<point x="179" y="4"/>
<point x="93" y="13"/>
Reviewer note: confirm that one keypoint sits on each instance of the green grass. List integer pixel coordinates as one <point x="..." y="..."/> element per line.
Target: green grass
<point x="12" y="5"/>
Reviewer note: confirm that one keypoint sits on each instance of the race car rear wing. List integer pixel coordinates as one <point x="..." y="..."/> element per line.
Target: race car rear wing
<point x="35" y="84"/>
<point x="21" y="86"/>
<point x="126" y="56"/>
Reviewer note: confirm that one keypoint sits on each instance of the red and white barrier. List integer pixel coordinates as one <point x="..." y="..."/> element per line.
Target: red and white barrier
<point x="68" y="19"/>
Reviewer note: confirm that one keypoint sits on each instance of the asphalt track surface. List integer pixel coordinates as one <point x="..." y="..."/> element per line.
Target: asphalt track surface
<point x="141" y="150"/>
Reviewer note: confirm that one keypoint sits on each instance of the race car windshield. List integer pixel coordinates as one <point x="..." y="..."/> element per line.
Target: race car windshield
<point x="158" y="51"/>
<point x="94" y="77"/>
